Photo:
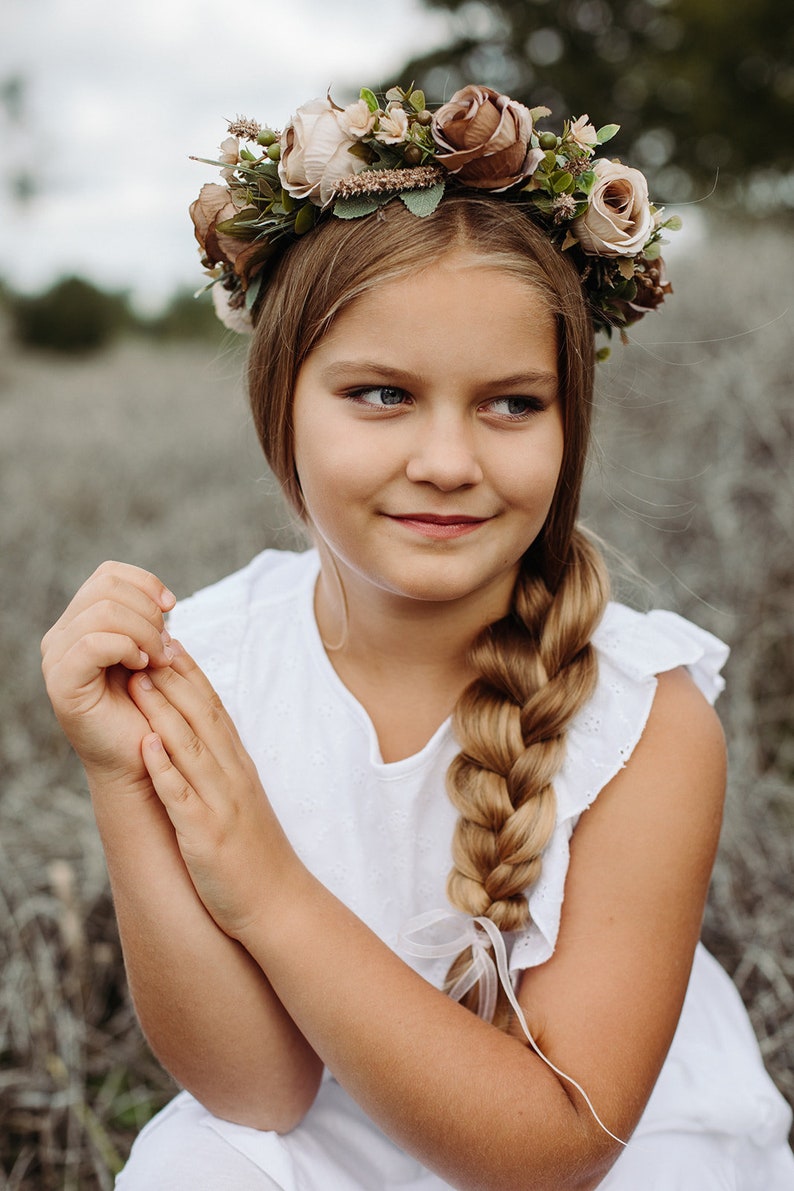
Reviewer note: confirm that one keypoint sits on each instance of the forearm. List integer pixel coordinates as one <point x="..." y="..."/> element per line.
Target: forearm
<point x="471" y="1103"/>
<point x="206" y="1008"/>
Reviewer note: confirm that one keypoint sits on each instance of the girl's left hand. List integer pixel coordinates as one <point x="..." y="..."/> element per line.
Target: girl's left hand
<point x="231" y="842"/>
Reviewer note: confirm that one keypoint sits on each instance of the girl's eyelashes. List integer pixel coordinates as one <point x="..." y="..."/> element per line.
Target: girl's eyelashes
<point x="514" y="408"/>
<point x="379" y="396"/>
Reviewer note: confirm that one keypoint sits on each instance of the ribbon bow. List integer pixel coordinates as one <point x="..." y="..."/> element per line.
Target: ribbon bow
<point x="482" y="935"/>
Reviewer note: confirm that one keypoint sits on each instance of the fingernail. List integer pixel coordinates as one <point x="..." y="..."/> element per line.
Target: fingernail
<point x="169" y="653"/>
<point x="146" y="682"/>
<point x="168" y="597"/>
<point x="165" y="637"/>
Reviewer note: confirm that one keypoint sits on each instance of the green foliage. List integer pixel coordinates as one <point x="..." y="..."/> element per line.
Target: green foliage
<point x="699" y="87"/>
<point x="185" y="317"/>
<point x="72" y="316"/>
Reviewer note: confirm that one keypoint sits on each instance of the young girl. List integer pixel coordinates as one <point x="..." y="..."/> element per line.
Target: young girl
<point x="410" y="834"/>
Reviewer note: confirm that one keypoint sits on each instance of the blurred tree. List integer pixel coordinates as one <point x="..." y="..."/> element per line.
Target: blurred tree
<point x="72" y="316"/>
<point x="16" y="171"/>
<point x="698" y="86"/>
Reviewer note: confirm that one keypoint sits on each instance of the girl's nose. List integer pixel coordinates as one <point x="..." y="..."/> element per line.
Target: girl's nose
<point x="444" y="455"/>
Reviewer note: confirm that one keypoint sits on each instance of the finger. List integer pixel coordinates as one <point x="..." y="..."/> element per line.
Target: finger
<point x="207" y="702"/>
<point x="119" y="583"/>
<point x="175" y="793"/>
<point x="143" y="624"/>
<point x="184" y="742"/>
<point x="69" y="679"/>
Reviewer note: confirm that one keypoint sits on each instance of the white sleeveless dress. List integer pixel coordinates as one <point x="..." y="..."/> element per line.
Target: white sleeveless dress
<point x="378" y="836"/>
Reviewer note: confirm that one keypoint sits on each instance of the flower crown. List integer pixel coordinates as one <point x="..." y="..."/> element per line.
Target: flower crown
<point x="351" y="161"/>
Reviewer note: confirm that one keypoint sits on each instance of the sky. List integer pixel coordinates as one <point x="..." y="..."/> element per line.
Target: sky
<point x="119" y="95"/>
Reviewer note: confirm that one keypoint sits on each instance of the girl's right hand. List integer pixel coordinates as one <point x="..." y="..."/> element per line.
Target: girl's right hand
<point x="113" y="626"/>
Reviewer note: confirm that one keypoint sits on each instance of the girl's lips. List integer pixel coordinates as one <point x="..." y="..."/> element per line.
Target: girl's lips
<point x="430" y="525"/>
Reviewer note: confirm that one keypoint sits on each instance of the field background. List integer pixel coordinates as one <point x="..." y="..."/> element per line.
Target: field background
<point x="146" y="454"/>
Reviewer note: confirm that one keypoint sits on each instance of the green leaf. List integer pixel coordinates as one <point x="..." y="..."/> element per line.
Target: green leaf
<point x="586" y="181"/>
<point x="673" y="224"/>
<point x="417" y="101"/>
<point x="653" y="251"/>
<point x="356" y="206"/>
<point x="606" y="133"/>
<point x="247" y="155"/>
<point x="305" y="219"/>
<point x="371" y="99"/>
<point x="395" y="95"/>
<point x="423" y="202"/>
<point x="562" y="182"/>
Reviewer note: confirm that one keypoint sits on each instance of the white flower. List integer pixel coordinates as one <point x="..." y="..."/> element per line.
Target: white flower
<point x="230" y="154"/>
<point x="618" y="220"/>
<point x="315" y="152"/>
<point x="583" y="133"/>
<point x="356" y="119"/>
<point x="392" y="126"/>
<point x="234" y="318"/>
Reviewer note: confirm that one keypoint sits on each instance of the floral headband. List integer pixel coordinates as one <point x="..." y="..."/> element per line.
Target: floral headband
<point x="351" y="161"/>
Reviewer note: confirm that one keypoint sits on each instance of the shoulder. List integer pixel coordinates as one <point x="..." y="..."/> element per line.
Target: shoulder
<point x="272" y="577"/>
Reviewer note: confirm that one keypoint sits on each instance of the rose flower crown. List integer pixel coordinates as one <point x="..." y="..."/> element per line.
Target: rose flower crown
<point x="351" y="161"/>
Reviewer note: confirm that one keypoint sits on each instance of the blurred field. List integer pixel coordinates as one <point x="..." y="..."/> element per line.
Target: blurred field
<point x="146" y="454"/>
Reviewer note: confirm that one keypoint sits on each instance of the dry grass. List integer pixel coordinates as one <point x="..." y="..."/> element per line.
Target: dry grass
<point x="148" y="456"/>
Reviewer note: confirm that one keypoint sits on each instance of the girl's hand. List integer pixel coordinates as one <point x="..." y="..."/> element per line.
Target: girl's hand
<point x="114" y="625"/>
<point x="229" y="837"/>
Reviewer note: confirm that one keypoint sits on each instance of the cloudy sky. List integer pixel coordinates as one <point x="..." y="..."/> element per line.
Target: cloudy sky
<point x="118" y="96"/>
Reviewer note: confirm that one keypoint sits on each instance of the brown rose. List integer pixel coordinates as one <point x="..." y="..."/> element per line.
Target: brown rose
<point x="652" y="288"/>
<point x="618" y="220"/>
<point x="212" y="207"/>
<point x="484" y="138"/>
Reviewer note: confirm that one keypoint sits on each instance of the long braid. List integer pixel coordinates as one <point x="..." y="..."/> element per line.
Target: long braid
<point x="536" y="669"/>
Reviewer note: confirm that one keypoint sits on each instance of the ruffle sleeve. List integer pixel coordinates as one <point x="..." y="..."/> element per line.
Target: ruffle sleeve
<point x="632" y="648"/>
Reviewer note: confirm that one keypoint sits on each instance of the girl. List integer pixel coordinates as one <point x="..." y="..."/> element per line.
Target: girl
<point x="363" y="981"/>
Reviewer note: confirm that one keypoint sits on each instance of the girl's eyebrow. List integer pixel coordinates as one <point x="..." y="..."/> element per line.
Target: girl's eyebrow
<point x="340" y="370"/>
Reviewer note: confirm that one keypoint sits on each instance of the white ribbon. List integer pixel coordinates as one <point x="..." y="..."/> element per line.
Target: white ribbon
<point x="481" y="934"/>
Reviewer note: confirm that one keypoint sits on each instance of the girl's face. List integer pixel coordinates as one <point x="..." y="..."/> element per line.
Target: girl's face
<point x="428" y="434"/>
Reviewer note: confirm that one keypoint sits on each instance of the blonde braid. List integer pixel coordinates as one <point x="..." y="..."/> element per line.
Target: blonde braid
<point x="536" y="669"/>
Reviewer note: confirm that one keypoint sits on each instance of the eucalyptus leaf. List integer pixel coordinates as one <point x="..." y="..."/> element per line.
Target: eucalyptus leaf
<point x="562" y="182"/>
<point x="606" y="133"/>
<point x="673" y="224"/>
<point x="356" y="206"/>
<point x="395" y="95"/>
<point x="252" y="293"/>
<point x="417" y="101"/>
<point x="653" y="251"/>
<point x="423" y="202"/>
<point x="586" y="181"/>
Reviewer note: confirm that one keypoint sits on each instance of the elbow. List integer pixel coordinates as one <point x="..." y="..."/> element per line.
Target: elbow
<point x="263" y="1109"/>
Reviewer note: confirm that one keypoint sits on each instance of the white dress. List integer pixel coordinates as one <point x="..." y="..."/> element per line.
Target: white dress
<point x="378" y="836"/>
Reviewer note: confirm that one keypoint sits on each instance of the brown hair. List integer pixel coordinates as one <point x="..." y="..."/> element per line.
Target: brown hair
<point x="536" y="666"/>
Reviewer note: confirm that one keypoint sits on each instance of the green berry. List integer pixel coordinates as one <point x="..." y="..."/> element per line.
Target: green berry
<point x="424" y="118"/>
<point x="274" y="151"/>
<point x="266" y="137"/>
<point x="547" y="140"/>
<point x="412" y="155"/>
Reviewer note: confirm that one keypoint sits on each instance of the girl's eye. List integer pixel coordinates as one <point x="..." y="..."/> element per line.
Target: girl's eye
<point x="380" y="397"/>
<point x="514" y="407"/>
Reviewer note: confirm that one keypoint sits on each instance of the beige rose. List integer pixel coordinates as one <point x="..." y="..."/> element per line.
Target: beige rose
<point x="618" y="220"/>
<point x="484" y="138"/>
<point x="315" y="152"/>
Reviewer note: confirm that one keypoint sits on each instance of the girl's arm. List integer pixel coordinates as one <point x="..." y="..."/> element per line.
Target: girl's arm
<point x="473" y="1104"/>
<point x="207" y="1009"/>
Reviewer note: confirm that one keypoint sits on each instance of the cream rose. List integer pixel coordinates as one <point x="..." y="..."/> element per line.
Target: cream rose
<point x="583" y="133"/>
<point x="230" y="156"/>
<point x="315" y="152"/>
<point x="484" y="138"/>
<point x="618" y="220"/>
<point x="357" y="120"/>
<point x="392" y="126"/>
<point x="234" y="318"/>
